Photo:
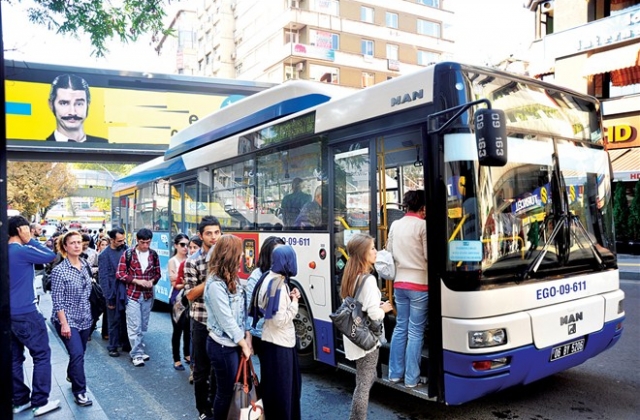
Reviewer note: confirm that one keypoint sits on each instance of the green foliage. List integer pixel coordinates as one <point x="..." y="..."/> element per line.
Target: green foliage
<point x="101" y="20"/>
<point x="37" y="186"/>
<point x="634" y="216"/>
<point x="621" y="211"/>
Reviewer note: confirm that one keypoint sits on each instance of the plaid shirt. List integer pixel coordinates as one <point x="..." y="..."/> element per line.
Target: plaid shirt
<point x="195" y="273"/>
<point x="135" y="272"/>
<point x="70" y="290"/>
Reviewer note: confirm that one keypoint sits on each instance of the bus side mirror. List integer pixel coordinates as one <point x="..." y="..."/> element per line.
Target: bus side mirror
<point x="491" y="136"/>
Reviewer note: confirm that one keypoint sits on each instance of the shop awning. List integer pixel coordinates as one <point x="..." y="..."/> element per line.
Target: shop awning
<point x="626" y="164"/>
<point x="623" y="64"/>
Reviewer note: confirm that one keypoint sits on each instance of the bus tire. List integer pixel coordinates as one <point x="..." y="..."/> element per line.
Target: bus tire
<point x="303" y="324"/>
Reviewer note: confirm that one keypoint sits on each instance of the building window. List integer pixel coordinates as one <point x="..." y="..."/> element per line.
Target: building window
<point x="432" y="3"/>
<point x="324" y="39"/>
<point x="291" y="37"/>
<point x="392" y="52"/>
<point x="366" y="14"/>
<point x="368" y="79"/>
<point x="366" y="47"/>
<point x="427" y="57"/>
<point x="426" y="27"/>
<point x="207" y="59"/>
<point x="324" y="74"/>
<point x="391" y="20"/>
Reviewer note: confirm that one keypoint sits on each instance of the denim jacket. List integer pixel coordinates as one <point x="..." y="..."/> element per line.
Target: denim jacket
<point x="226" y="313"/>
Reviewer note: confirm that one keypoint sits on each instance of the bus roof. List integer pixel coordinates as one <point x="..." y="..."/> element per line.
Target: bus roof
<point x="268" y="105"/>
<point x="150" y="171"/>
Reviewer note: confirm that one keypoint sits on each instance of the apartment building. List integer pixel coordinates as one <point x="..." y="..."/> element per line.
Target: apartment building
<point x="593" y="46"/>
<point x="349" y="43"/>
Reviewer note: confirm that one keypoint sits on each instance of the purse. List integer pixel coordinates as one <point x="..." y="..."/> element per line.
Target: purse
<point x="354" y="323"/>
<point x="96" y="299"/>
<point x="244" y="402"/>
<point x="178" y="308"/>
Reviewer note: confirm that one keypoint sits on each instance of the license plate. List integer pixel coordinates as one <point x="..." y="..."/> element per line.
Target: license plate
<point x="567" y="349"/>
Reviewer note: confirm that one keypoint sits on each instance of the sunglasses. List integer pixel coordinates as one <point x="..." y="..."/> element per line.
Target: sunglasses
<point x="183" y="244"/>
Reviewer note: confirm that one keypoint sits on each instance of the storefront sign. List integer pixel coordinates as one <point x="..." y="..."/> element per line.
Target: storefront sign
<point x="622" y="132"/>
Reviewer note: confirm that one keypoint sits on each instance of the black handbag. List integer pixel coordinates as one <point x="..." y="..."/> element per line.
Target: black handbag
<point x="354" y="323"/>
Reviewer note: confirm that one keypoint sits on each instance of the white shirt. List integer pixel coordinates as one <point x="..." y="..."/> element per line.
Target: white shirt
<point x="279" y="329"/>
<point x="143" y="258"/>
<point x="370" y="298"/>
<point x="61" y="137"/>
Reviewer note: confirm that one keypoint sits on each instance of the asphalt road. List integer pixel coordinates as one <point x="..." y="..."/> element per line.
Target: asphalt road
<point x="606" y="387"/>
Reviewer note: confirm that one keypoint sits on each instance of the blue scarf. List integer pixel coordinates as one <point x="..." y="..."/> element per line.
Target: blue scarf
<point x="283" y="262"/>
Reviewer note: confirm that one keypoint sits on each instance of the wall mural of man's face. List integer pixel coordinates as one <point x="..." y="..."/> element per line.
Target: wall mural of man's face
<point x="70" y="109"/>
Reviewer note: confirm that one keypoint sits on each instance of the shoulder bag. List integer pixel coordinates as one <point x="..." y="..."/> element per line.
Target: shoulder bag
<point x="244" y="402"/>
<point x="354" y="323"/>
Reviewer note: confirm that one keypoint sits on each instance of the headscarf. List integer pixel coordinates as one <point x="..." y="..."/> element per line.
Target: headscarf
<point x="283" y="262"/>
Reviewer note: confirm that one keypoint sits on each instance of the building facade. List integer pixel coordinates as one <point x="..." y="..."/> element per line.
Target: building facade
<point x="349" y="43"/>
<point x="593" y="46"/>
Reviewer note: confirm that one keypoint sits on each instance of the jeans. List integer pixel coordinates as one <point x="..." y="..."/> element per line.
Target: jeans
<point x="204" y="380"/>
<point x="29" y="330"/>
<point x="408" y="335"/>
<point x="137" y="322"/>
<point x="225" y="361"/>
<point x="76" y="346"/>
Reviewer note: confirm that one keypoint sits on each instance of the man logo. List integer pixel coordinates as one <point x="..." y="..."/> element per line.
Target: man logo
<point x="398" y="100"/>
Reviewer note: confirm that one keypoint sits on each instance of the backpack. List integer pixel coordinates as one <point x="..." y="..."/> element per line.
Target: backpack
<point x="255" y="311"/>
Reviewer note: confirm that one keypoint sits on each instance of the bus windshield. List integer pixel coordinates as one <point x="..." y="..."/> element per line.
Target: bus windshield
<point x="548" y="211"/>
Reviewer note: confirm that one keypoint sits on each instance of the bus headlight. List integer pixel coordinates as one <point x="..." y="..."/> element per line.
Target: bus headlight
<point x="487" y="338"/>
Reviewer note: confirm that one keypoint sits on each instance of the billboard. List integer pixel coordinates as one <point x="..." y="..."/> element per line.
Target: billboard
<point x="59" y="108"/>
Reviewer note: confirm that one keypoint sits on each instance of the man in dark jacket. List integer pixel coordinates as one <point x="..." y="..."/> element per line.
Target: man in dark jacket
<point x="114" y="292"/>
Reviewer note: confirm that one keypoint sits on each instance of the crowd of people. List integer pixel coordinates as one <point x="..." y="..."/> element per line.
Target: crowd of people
<point x="226" y="319"/>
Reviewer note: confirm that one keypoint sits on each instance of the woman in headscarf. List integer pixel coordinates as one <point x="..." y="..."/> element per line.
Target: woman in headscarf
<point x="281" y="381"/>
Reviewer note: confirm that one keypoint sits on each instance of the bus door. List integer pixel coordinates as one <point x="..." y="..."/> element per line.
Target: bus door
<point x="122" y="209"/>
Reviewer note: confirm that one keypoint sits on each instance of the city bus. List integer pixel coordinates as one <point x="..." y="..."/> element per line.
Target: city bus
<point x="522" y="272"/>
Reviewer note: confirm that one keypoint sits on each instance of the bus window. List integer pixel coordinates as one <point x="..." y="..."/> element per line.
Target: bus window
<point x="233" y="194"/>
<point x="176" y="210"/>
<point x="278" y="173"/>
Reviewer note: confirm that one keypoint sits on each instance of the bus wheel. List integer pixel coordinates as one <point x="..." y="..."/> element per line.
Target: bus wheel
<point x="304" y="338"/>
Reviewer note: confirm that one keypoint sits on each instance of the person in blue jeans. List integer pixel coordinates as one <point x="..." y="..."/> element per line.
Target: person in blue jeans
<point x="408" y="243"/>
<point x="28" y="328"/>
<point x="71" y="313"/>
<point x="227" y="322"/>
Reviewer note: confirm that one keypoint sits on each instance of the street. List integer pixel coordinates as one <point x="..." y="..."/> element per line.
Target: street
<point x="605" y="387"/>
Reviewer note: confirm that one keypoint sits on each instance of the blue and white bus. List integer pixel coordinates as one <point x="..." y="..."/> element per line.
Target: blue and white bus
<point x="522" y="272"/>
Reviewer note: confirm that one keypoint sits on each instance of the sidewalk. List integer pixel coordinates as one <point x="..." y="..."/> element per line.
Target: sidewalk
<point x="629" y="266"/>
<point x="60" y="388"/>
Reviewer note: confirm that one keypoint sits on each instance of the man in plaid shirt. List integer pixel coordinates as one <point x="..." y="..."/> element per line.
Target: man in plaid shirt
<point x="139" y="268"/>
<point x="195" y="278"/>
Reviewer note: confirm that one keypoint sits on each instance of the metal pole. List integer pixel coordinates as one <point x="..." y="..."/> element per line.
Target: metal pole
<point x="5" y="311"/>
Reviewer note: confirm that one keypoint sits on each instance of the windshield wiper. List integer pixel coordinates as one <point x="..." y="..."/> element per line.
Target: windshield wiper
<point x="563" y="221"/>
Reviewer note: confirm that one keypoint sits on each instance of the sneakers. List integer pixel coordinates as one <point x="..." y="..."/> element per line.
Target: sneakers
<point x="47" y="408"/>
<point x="145" y="357"/>
<point x="395" y="380"/>
<point x="82" y="400"/>
<point x="138" y="361"/>
<point x="114" y="353"/>
<point x="20" y="408"/>
<point x="204" y="416"/>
